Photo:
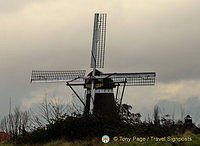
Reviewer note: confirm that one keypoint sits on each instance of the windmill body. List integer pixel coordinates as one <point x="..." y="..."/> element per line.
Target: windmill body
<point x="104" y="102"/>
<point x="99" y="86"/>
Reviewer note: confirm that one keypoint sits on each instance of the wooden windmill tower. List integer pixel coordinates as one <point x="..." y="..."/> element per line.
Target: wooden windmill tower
<point x="100" y="96"/>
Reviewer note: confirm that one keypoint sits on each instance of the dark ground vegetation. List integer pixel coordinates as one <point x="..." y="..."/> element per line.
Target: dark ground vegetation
<point x="78" y="127"/>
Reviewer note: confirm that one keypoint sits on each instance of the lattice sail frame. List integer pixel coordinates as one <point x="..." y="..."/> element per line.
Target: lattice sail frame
<point x="56" y="76"/>
<point x="98" y="42"/>
<point x="133" y="79"/>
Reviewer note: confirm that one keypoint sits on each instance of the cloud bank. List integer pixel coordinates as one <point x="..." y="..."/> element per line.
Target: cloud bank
<point x="151" y="35"/>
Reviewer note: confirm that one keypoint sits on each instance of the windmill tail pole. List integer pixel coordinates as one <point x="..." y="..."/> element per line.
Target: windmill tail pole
<point x="93" y="89"/>
<point x="93" y="74"/>
<point x="117" y="91"/>
<point x="122" y="95"/>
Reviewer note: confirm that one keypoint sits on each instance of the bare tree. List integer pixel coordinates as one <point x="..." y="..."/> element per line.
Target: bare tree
<point x="51" y="110"/>
<point x="16" y="123"/>
<point x="48" y="112"/>
<point x="58" y="110"/>
<point x="4" y="124"/>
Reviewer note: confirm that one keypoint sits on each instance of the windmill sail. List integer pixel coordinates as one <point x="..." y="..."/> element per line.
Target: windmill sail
<point x="56" y="76"/>
<point x="133" y="79"/>
<point x="98" y="43"/>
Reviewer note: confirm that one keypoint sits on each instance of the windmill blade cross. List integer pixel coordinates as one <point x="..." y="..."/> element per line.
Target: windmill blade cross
<point x="99" y="85"/>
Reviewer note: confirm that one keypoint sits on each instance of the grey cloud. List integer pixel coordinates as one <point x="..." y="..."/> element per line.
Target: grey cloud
<point x="12" y="6"/>
<point x="141" y="36"/>
<point x="164" y="41"/>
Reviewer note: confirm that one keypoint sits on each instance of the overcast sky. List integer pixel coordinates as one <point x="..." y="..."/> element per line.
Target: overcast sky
<point x="153" y="35"/>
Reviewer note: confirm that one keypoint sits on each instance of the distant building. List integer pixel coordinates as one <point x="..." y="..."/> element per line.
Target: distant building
<point x="168" y="117"/>
<point x="188" y="119"/>
<point x="4" y="137"/>
<point x="188" y="125"/>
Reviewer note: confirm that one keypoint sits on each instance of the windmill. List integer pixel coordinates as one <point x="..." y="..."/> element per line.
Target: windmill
<point x="99" y="86"/>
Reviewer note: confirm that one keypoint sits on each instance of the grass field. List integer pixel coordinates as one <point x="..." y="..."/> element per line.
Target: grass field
<point x="194" y="142"/>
